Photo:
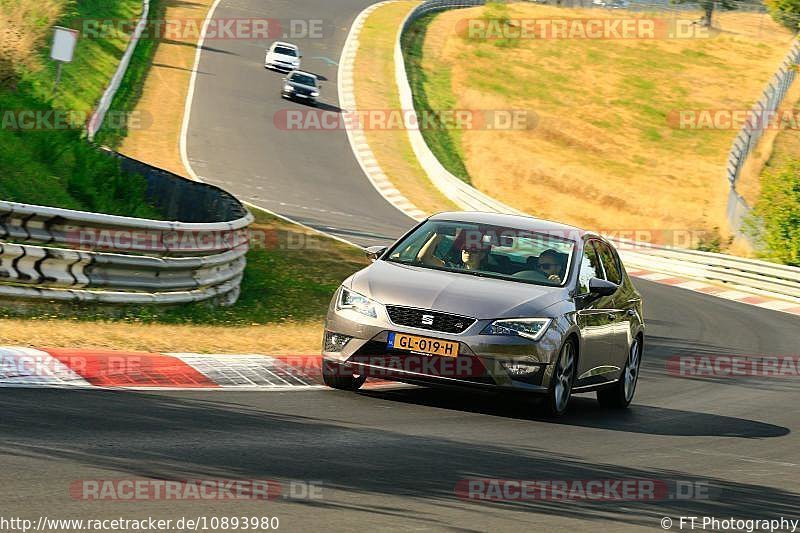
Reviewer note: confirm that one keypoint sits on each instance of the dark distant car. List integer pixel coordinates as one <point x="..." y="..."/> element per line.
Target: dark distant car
<point x="299" y="85"/>
<point x="492" y="301"/>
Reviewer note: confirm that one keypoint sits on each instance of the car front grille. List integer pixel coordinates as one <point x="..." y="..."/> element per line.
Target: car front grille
<point x="430" y="320"/>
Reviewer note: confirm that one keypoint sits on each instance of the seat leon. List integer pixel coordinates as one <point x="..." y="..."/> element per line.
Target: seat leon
<point x="492" y="301"/>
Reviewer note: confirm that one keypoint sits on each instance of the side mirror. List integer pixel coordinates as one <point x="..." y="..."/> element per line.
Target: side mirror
<point x="374" y="252"/>
<point x="602" y="287"/>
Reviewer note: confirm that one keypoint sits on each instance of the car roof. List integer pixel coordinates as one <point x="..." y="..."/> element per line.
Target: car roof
<point x="304" y="73"/>
<point x="285" y="45"/>
<point x="522" y="222"/>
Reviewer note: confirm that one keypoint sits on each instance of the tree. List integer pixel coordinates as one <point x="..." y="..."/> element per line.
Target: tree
<point x="786" y="12"/>
<point x="708" y="7"/>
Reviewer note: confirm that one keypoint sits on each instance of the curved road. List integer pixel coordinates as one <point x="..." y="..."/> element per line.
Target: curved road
<point x="233" y="140"/>
<point x="390" y="459"/>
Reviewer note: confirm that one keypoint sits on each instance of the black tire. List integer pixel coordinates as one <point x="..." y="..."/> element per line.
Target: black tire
<point x="560" y="389"/>
<point x="620" y="395"/>
<point x="337" y="376"/>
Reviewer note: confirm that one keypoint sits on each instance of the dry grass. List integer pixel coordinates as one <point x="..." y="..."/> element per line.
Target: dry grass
<point x="376" y="89"/>
<point x="24" y="24"/>
<point x="164" y="94"/>
<point x="280" y="339"/>
<point x="603" y="155"/>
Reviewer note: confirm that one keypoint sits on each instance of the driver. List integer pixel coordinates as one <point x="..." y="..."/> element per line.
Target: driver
<point x="472" y="256"/>
<point x="550" y="265"/>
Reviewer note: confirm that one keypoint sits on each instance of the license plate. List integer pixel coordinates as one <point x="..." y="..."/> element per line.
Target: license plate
<point x="401" y="341"/>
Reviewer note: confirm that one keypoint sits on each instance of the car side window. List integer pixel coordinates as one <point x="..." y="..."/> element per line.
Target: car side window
<point x="610" y="263"/>
<point x="590" y="268"/>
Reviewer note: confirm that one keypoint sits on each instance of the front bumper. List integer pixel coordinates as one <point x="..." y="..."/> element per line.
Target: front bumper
<point x="483" y="360"/>
<point x="283" y="67"/>
<point x="294" y="95"/>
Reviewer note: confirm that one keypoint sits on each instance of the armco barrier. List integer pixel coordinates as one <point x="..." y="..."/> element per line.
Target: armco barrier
<point x="63" y="255"/>
<point x="749" y="274"/>
<point x="459" y="192"/>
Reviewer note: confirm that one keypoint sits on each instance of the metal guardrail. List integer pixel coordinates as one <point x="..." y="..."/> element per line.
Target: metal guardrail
<point x="749" y="274"/>
<point x="462" y="194"/>
<point x="64" y="255"/>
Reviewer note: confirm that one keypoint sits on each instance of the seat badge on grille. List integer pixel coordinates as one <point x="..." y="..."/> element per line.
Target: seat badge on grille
<point x="427" y="320"/>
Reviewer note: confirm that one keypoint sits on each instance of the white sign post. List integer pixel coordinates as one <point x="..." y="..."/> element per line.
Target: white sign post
<point x="64" y="41"/>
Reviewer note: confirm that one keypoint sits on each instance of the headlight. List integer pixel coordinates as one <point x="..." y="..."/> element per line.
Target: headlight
<point x="530" y="328"/>
<point x="314" y="93"/>
<point x="288" y="88"/>
<point x="361" y="304"/>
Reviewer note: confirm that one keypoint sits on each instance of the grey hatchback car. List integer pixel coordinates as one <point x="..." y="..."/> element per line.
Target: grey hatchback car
<point x="493" y="301"/>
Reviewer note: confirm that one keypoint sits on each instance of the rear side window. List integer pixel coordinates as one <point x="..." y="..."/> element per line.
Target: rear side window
<point x="610" y="262"/>
<point x="590" y="268"/>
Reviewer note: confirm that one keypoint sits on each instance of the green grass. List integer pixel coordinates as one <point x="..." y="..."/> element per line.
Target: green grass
<point x="130" y="89"/>
<point x="96" y="59"/>
<point x="290" y="281"/>
<point x="433" y="92"/>
<point x="55" y="166"/>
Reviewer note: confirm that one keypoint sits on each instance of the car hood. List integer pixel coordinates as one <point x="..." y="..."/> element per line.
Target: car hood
<point x="462" y="294"/>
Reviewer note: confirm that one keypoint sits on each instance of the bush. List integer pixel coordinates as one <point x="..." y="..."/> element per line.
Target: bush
<point x="786" y="12"/>
<point x="775" y="221"/>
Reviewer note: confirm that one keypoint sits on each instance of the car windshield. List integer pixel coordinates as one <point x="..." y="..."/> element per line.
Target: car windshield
<point x="285" y="51"/>
<point x="303" y="79"/>
<point x="485" y="250"/>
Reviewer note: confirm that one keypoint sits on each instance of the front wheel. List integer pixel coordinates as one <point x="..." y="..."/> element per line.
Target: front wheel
<point x="620" y="395"/>
<point x="560" y="389"/>
<point x="337" y="376"/>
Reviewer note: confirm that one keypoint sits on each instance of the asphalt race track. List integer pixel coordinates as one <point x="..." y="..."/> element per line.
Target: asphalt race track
<point x="391" y="459"/>
<point x="234" y="142"/>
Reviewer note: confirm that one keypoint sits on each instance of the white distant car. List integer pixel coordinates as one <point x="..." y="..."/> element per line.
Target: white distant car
<point x="283" y="56"/>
